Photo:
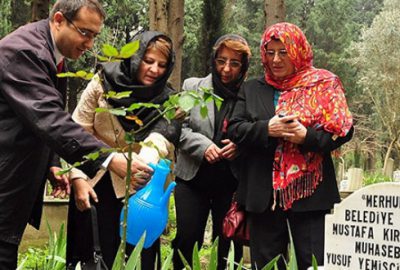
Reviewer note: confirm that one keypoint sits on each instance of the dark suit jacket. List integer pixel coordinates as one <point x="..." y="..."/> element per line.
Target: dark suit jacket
<point x="248" y="128"/>
<point x="33" y="125"/>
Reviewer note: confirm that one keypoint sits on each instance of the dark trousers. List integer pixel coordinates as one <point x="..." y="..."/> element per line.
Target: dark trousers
<point x="194" y="200"/>
<point x="269" y="236"/>
<point x="8" y="256"/>
<point x="79" y="234"/>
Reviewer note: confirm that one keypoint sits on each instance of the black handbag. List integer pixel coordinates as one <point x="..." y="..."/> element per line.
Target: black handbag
<point x="97" y="263"/>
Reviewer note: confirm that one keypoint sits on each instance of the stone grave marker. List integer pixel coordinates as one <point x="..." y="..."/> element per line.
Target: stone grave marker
<point x="363" y="232"/>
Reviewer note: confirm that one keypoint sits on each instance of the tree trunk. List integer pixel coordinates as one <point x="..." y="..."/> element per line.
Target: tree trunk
<point x="211" y="30"/>
<point x="387" y="156"/>
<point x="275" y="11"/>
<point x="167" y="16"/>
<point x="20" y="13"/>
<point x="40" y="10"/>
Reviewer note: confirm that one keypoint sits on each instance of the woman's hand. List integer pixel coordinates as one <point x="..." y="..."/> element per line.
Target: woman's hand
<point x="119" y="162"/>
<point x="288" y="128"/>
<point x="139" y="180"/>
<point x="229" y="150"/>
<point x="280" y="127"/>
<point x="82" y="192"/>
<point x="141" y="176"/>
<point x="298" y="132"/>
<point x="213" y="154"/>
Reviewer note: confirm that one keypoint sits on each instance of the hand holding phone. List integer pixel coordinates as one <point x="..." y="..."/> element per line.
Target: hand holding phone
<point x="283" y="114"/>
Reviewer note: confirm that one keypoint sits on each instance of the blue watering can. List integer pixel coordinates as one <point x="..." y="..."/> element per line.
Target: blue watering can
<point x="148" y="208"/>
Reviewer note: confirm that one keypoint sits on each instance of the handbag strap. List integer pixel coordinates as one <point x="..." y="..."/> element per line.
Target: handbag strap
<point x="97" y="255"/>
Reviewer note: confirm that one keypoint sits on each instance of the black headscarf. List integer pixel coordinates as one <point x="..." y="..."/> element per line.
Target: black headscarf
<point x="230" y="90"/>
<point x="121" y="76"/>
<point x="227" y="91"/>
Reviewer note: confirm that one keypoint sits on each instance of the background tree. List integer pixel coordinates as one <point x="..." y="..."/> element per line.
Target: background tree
<point x="20" y="13"/>
<point x="246" y="18"/>
<point x="275" y="11"/>
<point x="212" y="29"/>
<point x="192" y="59"/>
<point x="5" y="17"/>
<point x="167" y="16"/>
<point x="39" y="9"/>
<point x="378" y="57"/>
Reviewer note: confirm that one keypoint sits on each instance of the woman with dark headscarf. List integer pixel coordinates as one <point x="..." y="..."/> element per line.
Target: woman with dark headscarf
<point x="145" y="74"/>
<point x="204" y="178"/>
<point x="285" y="125"/>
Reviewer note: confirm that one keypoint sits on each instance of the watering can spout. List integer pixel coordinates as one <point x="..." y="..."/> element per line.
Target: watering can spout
<point x="167" y="193"/>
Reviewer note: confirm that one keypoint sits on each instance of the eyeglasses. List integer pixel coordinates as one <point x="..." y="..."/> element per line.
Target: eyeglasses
<point x="232" y="63"/>
<point x="280" y="53"/>
<point x="84" y="32"/>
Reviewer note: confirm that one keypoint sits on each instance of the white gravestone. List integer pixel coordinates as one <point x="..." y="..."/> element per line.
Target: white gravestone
<point x="364" y="230"/>
<point x="396" y="176"/>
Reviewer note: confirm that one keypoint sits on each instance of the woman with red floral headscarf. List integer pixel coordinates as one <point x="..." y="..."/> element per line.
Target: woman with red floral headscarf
<point x="285" y="125"/>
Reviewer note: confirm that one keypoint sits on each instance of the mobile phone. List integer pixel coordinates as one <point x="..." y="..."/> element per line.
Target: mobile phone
<point x="283" y="115"/>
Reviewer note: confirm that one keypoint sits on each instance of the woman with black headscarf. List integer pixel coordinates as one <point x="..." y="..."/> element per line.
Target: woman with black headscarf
<point x="204" y="180"/>
<point x="145" y="74"/>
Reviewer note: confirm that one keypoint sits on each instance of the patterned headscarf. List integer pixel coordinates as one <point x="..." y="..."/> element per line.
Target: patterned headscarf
<point x="316" y="96"/>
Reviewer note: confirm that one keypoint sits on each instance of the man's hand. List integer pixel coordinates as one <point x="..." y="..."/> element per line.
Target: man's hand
<point x="60" y="183"/>
<point x="82" y="193"/>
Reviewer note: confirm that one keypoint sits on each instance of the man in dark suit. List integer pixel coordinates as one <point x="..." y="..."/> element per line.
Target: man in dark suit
<point x="33" y="124"/>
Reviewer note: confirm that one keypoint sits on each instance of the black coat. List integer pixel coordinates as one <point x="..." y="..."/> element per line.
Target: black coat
<point x="33" y="125"/>
<point x="248" y="128"/>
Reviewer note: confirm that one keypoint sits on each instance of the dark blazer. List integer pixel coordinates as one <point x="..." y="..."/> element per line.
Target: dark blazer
<point x="33" y="125"/>
<point x="248" y="128"/>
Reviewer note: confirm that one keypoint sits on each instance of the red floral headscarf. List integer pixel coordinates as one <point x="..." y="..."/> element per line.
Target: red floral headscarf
<point x="316" y="96"/>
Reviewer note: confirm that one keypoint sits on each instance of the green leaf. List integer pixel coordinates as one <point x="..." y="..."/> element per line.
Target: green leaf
<point x="170" y="114"/>
<point x="129" y="49"/>
<point x="100" y="110"/>
<point x="109" y="50"/>
<point x="272" y="264"/>
<point x="89" y="76"/>
<point x="129" y="138"/>
<point x="102" y="58"/>
<point x="218" y="103"/>
<point x="173" y="100"/>
<point x="81" y="73"/>
<point x="134" y="259"/>
<point x="64" y="171"/>
<point x="167" y="263"/>
<point x="118" y="111"/>
<point x="124" y="94"/>
<point x="208" y="97"/>
<point x="196" y="258"/>
<point x="92" y="156"/>
<point x="213" y="262"/>
<point x="117" y="261"/>
<point x="203" y="111"/>
<point x="135" y="106"/>
<point x="66" y="74"/>
<point x="314" y="262"/>
<point x="292" y="264"/>
<point x="186" y="102"/>
<point x="184" y="261"/>
<point x="231" y="257"/>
